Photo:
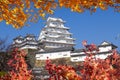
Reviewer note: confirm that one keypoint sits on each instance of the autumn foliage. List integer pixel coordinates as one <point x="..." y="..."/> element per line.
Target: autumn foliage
<point x="93" y="68"/>
<point x="18" y="67"/>
<point x="18" y="12"/>
<point x="61" y="72"/>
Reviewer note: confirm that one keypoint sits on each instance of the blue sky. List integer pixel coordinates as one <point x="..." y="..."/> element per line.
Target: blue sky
<point x="96" y="28"/>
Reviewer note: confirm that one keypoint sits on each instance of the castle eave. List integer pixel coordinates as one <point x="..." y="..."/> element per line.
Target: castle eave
<point x="58" y="42"/>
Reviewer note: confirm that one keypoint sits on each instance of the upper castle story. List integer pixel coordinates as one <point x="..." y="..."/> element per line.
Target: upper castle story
<point x="55" y="34"/>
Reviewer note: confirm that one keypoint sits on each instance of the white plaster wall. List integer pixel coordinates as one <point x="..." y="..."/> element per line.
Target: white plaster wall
<point x="30" y="47"/>
<point x="52" y="25"/>
<point x="53" y="55"/>
<point x="103" y="56"/>
<point x="18" y="41"/>
<point x="82" y="58"/>
<point x="104" y="49"/>
<point x="79" y="58"/>
<point x="77" y="53"/>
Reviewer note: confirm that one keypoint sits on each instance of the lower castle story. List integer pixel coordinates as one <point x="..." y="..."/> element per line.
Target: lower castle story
<point x="105" y="49"/>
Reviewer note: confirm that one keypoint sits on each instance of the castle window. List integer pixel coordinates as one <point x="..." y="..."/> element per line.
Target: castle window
<point x="65" y="55"/>
<point x="75" y="59"/>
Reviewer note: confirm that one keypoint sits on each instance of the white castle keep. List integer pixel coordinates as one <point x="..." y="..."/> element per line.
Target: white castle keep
<point x="55" y="34"/>
<point x="55" y="41"/>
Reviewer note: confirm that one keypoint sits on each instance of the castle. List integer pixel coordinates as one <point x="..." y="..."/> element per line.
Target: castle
<point x="55" y="41"/>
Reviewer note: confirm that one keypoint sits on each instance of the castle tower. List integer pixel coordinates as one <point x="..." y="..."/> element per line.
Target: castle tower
<point x="27" y="42"/>
<point x="55" y="35"/>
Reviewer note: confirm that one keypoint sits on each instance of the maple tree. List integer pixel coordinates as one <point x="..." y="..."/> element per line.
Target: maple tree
<point x="18" y="67"/>
<point x="93" y="68"/>
<point x="61" y="72"/>
<point x="18" y="12"/>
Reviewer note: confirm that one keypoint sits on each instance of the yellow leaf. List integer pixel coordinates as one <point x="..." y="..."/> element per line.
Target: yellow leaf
<point x="61" y="4"/>
<point x="42" y="14"/>
<point x="26" y="11"/>
<point x="40" y="11"/>
<point x="84" y="2"/>
<point x="51" y="11"/>
<point x="40" y="0"/>
<point x="7" y="22"/>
